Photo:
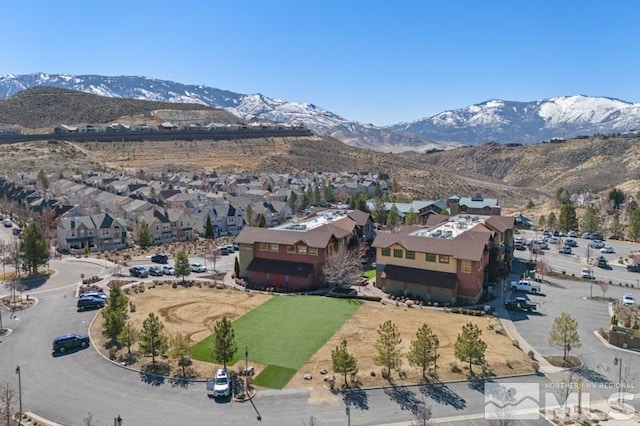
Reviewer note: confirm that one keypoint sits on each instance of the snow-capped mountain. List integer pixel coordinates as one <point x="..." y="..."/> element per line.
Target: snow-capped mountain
<point x="247" y="107"/>
<point x="527" y="122"/>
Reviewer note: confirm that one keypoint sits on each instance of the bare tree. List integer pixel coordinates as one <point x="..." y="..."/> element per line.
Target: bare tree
<point x="212" y="254"/>
<point x="604" y="286"/>
<point x="422" y="415"/>
<point x="8" y="398"/>
<point x="344" y="267"/>
<point x="312" y="422"/>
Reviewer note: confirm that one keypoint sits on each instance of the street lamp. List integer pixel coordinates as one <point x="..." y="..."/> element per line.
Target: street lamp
<point x="19" y="395"/>
<point x="618" y="361"/>
<point x="246" y="371"/>
<point x="348" y="411"/>
<point x="117" y="421"/>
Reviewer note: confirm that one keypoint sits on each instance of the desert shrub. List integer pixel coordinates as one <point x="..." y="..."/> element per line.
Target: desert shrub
<point x="531" y="354"/>
<point x="508" y="364"/>
<point x="516" y="343"/>
<point x="536" y="366"/>
<point x="174" y="285"/>
<point x="454" y="366"/>
<point x="455" y="310"/>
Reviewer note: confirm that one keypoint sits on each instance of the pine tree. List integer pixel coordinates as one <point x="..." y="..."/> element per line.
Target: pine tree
<point x="634" y="224"/>
<point x="115" y="313"/>
<point x="128" y="336"/>
<point x="343" y="362"/>
<point x="208" y="229"/>
<point x="568" y="221"/>
<point x="144" y="237"/>
<point x="591" y="220"/>
<point x="224" y="342"/>
<point x="469" y="346"/>
<point x="424" y="349"/>
<point x="387" y="346"/>
<point x="180" y="350"/>
<point x="152" y="340"/>
<point x="33" y="250"/>
<point x="411" y="218"/>
<point x="564" y="334"/>
<point x="182" y="267"/>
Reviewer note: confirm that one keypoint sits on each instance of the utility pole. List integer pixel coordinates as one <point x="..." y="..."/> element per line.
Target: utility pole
<point x="19" y="395"/>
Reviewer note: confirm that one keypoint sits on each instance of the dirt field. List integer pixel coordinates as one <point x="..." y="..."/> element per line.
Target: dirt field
<point x="193" y="311"/>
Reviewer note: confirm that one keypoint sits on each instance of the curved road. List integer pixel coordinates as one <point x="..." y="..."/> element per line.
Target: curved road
<point x="66" y="388"/>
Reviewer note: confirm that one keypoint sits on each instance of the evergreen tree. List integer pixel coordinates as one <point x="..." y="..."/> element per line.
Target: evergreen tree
<point x="411" y="218"/>
<point x="616" y="226"/>
<point x="315" y="198"/>
<point x="424" y="349"/>
<point x="224" y="342"/>
<point x="115" y="313"/>
<point x="564" y="334"/>
<point x="328" y="194"/>
<point x="236" y="267"/>
<point x="633" y="225"/>
<point x="568" y="221"/>
<point x="180" y="350"/>
<point x="262" y="221"/>
<point x="552" y="220"/>
<point x="182" y="267"/>
<point x="379" y="212"/>
<point x="128" y="336"/>
<point x="144" y="237"/>
<point x="469" y="346"/>
<point x="248" y="215"/>
<point x="152" y="339"/>
<point x="591" y="220"/>
<point x="343" y="362"/>
<point x="305" y="201"/>
<point x="542" y="221"/>
<point x="563" y="196"/>
<point x="293" y="201"/>
<point x="33" y="249"/>
<point x="208" y="229"/>
<point x="617" y="196"/>
<point x="43" y="180"/>
<point x="387" y="346"/>
<point x="393" y="217"/>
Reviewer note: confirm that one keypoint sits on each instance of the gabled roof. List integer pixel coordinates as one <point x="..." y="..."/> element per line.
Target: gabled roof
<point x="500" y="223"/>
<point x="359" y="217"/>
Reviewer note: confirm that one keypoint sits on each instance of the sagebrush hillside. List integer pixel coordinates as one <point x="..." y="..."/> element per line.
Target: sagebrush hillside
<point x="47" y="107"/>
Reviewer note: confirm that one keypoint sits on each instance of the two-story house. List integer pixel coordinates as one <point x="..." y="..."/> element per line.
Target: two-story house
<point x="291" y="255"/>
<point x="79" y="231"/>
<point x="448" y="262"/>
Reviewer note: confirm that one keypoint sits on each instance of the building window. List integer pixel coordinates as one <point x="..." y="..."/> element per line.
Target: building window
<point x="386" y="251"/>
<point x="431" y="257"/>
<point x="157" y="227"/>
<point x="274" y="247"/>
<point x="465" y="267"/>
<point x="397" y="253"/>
<point x="313" y="251"/>
<point x="264" y="247"/>
<point x="443" y="258"/>
<point x="411" y="254"/>
<point x="302" y="249"/>
<point x="291" y="249"/>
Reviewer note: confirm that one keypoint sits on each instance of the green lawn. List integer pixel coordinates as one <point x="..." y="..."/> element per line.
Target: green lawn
<point x="285" y="331"/>
<point x="274" y="377"/>
<point x="371" y="273"/>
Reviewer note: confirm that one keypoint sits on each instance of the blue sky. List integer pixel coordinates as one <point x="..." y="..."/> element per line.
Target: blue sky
<point x="372" y="61"/>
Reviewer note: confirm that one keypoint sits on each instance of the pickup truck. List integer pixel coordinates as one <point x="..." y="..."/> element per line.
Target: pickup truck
<point x="524" y="285"/>
<point x="521" y="303"/>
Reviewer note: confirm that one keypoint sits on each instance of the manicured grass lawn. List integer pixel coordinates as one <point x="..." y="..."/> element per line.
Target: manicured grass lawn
<point x="371" y="273"/>
<point x="274" y="377"/>
<point x="285" y="332"/>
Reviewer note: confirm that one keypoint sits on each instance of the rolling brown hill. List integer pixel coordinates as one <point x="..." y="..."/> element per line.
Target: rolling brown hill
<point x="513" y="174"/>
<point x="47" y="107"/>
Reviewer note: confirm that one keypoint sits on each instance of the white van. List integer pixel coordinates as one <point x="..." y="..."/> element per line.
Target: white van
<point x="524" y="285"/>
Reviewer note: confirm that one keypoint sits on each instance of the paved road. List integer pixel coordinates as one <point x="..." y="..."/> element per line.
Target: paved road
<point x="66" y="388"/>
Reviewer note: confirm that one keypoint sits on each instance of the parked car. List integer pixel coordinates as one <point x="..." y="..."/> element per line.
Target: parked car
<point x="628" y="299"/>
<point x="572" y="234"/>
<point x="156" y="271"/>
<point x="138" y="271"/>
<point x="99" y="294"/>
<point x="565" y="250"/>
<point x="70" y="341"/>
<point x="586" y="236"/>
<point x="235" y="247"/>
<point x="168" y="270"/>
<point x="160" y="258"/>
<point x="223" y="251"/>
<point x="220" y="386"/>
<point x="596" y="244"/>
<point x="634" y="267"/>
<point x="601" y="262"/>
<point x="553" y="240"/>
<point x="521" y="303"/>
<point x="8" y="223"/>
<point x="607" y="249"/>
<point x="570" y="243"/>
<point x="90" y="302"/>
<point x="198" y="267"/>
<point x="524" y="285"/>
<point x="587" y="274"/>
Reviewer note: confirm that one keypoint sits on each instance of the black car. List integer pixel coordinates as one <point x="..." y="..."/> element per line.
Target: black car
<point x="138" y="271"/>
<point x="634" y="267"/>
<point x="70" y="341"/>
<point x="160" y="258"/>
<point x="521" y="303"/>
<point x="90" y="302"/>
